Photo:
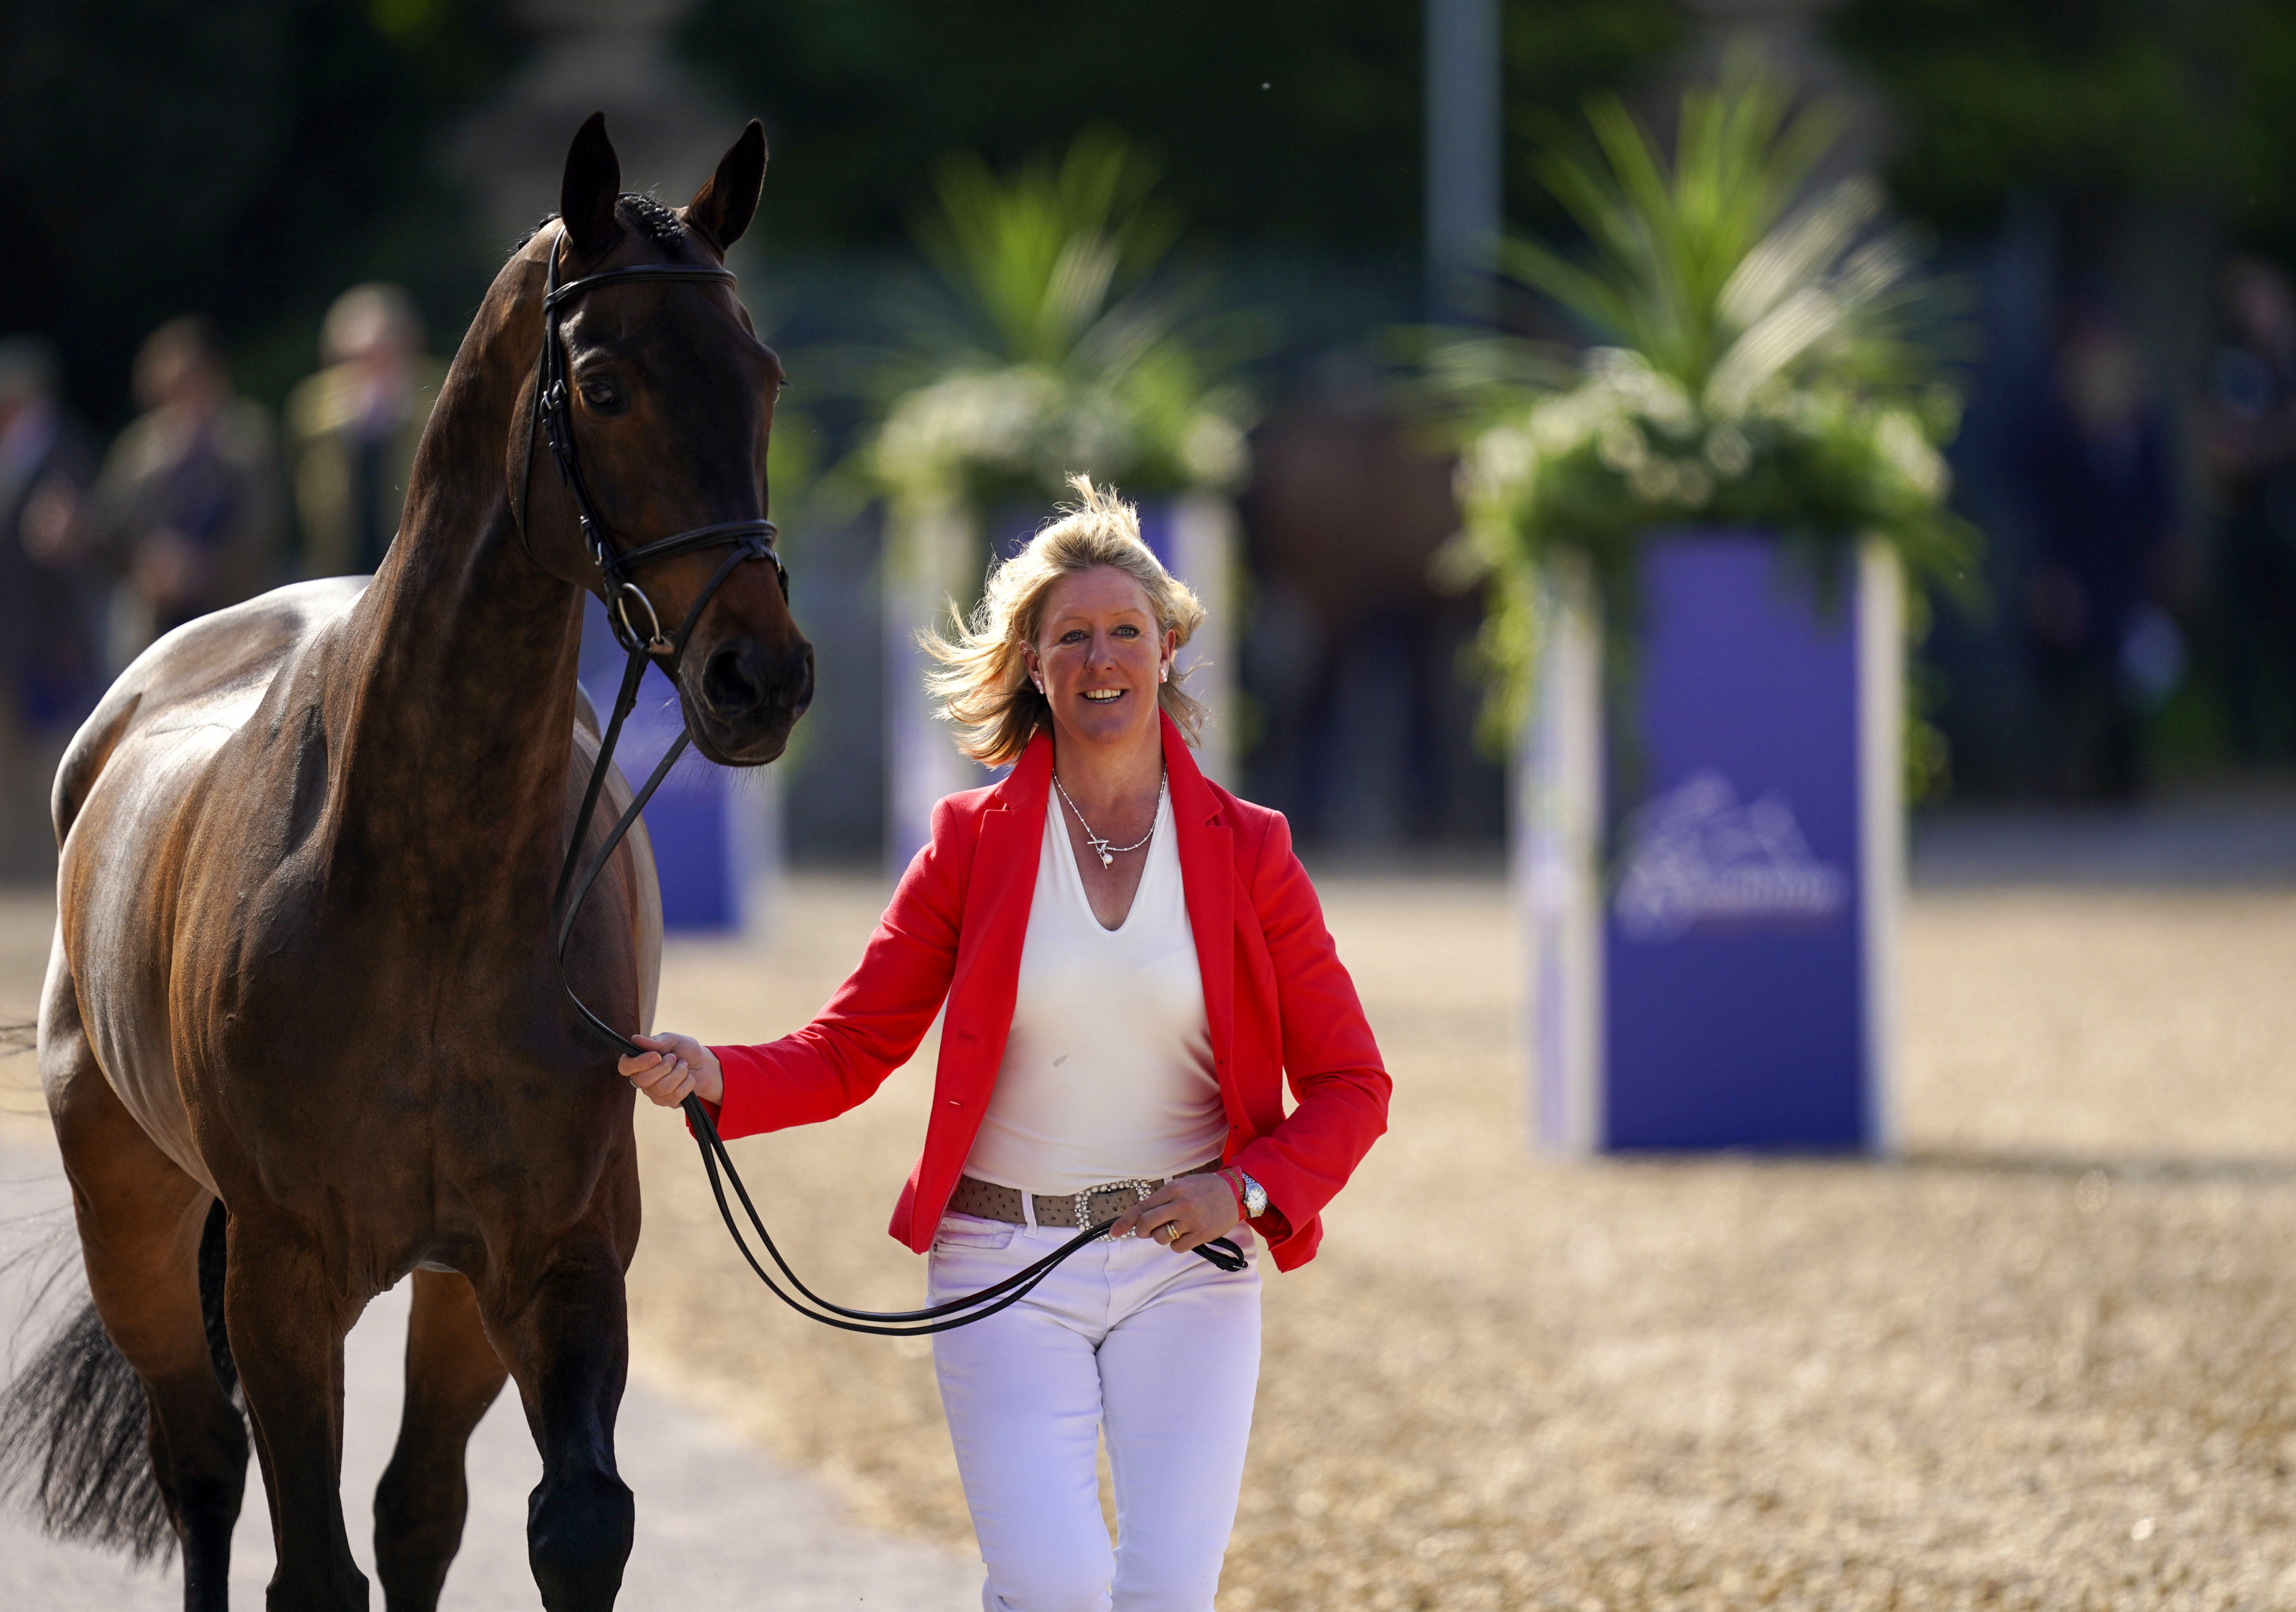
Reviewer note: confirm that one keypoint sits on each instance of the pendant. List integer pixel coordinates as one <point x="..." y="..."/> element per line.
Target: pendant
<point x="1105" y="860"/>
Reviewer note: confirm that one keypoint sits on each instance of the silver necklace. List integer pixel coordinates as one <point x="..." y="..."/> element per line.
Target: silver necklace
<point x="1107" y="853"/>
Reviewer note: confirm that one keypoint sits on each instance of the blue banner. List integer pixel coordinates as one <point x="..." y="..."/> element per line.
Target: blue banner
<point x="1734" y="974"/>
<point x="693" y="821"/>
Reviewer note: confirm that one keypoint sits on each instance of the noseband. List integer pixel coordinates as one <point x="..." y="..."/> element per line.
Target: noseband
<point x="552" y="419"/>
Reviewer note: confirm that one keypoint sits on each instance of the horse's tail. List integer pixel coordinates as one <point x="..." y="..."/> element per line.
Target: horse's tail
<point x="73" y="1448"/>
<point x="74" y="1426"/>
<point x="17" y="1035"/>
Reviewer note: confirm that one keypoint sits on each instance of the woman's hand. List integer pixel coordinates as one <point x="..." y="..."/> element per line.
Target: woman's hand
<point x="1184" y="1213"/>
<point x="677" y="1065"/>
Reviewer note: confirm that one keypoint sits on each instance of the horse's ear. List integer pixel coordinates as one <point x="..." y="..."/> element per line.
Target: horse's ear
<point x="728" y="199"/>
<point x="593" y="184"/>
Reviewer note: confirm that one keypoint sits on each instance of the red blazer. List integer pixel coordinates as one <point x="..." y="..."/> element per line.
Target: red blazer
<point x="1276" y="999"/>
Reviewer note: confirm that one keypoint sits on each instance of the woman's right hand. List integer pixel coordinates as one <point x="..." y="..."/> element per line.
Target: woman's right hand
<point x="676" y="1066"/>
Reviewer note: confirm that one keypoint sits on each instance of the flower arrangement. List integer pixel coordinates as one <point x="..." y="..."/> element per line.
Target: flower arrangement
<point x="1755" y="365"/>
<point x="1055" y="358"/>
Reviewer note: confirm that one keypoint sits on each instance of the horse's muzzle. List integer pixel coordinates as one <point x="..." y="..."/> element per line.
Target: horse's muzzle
<point x="748" y="698"/>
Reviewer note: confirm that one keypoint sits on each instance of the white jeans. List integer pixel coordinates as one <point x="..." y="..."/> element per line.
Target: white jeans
<point x="1159" y="1349"/>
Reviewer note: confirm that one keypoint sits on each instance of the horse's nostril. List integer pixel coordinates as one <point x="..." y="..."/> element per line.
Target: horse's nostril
<point x="728" y="685"/>
<point x="804" y="699"/>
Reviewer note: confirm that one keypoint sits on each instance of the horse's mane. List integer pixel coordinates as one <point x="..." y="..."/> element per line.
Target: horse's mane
<point x="649" y="215"/>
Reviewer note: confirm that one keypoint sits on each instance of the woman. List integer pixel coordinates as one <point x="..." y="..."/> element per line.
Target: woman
<point x="1131" y="956"/>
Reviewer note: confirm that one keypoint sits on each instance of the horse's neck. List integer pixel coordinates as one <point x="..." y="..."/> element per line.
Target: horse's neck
<point x="463" y="717"/>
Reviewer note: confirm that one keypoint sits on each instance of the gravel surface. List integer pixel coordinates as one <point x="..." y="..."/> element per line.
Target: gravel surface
<point x="2043" y="1361"/>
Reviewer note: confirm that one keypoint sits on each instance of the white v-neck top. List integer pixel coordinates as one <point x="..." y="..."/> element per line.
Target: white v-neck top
<point x="1108" y="1072"/>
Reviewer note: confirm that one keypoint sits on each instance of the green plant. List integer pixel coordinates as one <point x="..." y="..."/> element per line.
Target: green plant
<point x="1757" y="364"/>
<point x="1055" y="355"/>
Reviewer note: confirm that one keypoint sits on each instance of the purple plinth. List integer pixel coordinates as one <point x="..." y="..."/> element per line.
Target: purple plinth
<point x="1734" y="980"/>
<point x="690" y="820"/>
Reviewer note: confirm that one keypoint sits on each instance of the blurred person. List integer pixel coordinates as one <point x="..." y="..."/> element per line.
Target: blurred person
<point x="1133" y="960"/>
<point x="2252" y="453"/>
<point x="2104" y="496"/>
<point x="352" y="429"/>
<point x="188" y="508"/>
<point x="51" y="597"/>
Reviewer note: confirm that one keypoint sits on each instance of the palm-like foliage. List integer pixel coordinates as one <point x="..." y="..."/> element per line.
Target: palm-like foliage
<point x="1668" y="247"/>
<point x="1055" y="356"/>
<point x="1702" y="272"/>
<point x="1760" y="362"/>
<point x="1042" y="259"/>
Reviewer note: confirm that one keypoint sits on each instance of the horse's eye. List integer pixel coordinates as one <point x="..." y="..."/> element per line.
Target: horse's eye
<point x="602" y="394"/>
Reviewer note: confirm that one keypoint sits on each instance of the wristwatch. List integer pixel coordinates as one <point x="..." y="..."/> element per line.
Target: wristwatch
<point x="1255" y="1197"/>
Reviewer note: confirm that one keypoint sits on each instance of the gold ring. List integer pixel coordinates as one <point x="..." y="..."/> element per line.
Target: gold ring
<point x="1173" y="1228"/>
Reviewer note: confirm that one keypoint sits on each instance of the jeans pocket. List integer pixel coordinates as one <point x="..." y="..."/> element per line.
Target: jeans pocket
<point x="965" y="1232"/>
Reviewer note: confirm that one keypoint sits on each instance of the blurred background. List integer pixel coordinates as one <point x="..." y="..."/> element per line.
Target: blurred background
<point x="2039" y="1356"/>
<point x="245" y="236"/>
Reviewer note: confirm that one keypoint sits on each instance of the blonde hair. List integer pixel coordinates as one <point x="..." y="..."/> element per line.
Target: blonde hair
<point x="983" y="685"/>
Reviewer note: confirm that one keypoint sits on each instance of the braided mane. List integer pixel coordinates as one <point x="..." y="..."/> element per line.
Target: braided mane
<point x="650" y="216"/>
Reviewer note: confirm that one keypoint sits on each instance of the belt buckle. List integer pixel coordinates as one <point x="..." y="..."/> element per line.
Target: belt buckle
<point x="1139" y="1189"/>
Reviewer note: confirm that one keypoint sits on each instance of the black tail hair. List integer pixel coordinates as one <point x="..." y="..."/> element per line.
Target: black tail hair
<point x="17" y="1035"/>
<point x="74" y="1444"/>
<point x="73" y="1448"/>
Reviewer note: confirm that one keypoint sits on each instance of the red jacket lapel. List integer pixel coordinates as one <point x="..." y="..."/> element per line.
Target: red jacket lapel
<point x="1000" y="889"/>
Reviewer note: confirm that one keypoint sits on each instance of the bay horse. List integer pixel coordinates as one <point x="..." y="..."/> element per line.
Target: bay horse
<point x="303" y="1035"/>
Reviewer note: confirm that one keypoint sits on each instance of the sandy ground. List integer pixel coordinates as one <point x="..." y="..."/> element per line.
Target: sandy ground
<point x="2043" y="1361"/>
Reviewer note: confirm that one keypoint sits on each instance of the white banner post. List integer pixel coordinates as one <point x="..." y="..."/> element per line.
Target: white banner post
<point x="930" y="558"/>
<point x="1203" y="550"/>
<point x="1557" y="859"/>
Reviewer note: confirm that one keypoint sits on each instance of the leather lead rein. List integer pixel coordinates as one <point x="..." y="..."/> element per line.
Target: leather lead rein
<point x="552" y="419"/>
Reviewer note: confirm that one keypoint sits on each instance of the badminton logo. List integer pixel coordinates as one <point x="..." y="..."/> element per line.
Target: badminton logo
<point x="1697" y="855"/>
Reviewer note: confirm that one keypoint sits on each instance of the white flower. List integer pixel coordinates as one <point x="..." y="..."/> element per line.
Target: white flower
<point x="1562" y="424"/>
<point x="1621" y="447"/>
<point x="1028" y="420"/>
<point x="1910" y="455"/>
<point x="1729" y="452"/>
<point x="1497" y="464"/>
<point x="1652" y="481"/>
<point x="1212" y="452"/>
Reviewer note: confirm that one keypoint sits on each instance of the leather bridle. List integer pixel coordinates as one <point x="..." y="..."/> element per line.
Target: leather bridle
<point x="552" y="417"/>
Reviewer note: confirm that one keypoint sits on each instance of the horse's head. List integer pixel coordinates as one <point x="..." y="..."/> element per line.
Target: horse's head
<point x="670" y="399"/>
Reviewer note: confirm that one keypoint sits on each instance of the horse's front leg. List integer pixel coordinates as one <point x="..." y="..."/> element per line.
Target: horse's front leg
<point x="286" y="1320"/>
<point x="563" y="1328"/>
<point x="453" y="1375"/>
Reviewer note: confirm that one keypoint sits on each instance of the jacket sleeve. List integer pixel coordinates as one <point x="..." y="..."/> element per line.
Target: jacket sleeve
<point x="878" y="1016"/>
<point x="1338" y="1084"/>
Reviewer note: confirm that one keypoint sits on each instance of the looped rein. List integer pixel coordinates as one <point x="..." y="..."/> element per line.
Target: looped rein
<point x="552" y="418"/>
